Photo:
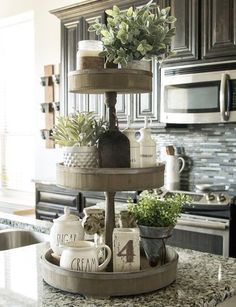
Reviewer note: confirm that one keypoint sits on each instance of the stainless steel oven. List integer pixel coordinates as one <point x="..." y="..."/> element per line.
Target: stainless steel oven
<point x="202" y="233"/>
<point x="203" y="93"/>
<point x="208" y="226"/>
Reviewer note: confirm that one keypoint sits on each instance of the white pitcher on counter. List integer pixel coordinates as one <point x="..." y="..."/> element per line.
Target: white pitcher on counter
<point x="174" y="166"/>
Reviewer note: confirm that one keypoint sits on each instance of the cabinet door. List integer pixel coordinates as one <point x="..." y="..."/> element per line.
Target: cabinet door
<point x="124" y="103"/>
<point x="185" y="42"/>
<point x="71" y="33"/>
<point x="124" y="106"/>
<point x="147" y="104"/>
<point x="218" y="28"/>
<point x="92" y="103"/>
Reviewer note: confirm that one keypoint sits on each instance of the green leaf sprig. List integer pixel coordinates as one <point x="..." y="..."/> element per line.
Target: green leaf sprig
<point x="78" y="129"/>
<point x="134" y="34"/>
<point x="155" y="212"/>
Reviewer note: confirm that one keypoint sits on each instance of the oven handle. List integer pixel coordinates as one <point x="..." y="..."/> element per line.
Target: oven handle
<point x="204" y="224"/>
<point x="224" y="97"/>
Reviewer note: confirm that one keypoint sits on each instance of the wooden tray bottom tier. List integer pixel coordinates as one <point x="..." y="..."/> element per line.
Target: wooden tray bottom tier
<point x="107" y="284"/>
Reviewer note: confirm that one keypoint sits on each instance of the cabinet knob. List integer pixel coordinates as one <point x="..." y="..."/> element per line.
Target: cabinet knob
<point x="221" y="197"/>
<point x="210" y="196"/>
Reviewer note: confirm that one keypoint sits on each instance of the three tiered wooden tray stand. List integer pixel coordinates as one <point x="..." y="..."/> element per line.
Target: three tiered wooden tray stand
<point x="110" y="180"/>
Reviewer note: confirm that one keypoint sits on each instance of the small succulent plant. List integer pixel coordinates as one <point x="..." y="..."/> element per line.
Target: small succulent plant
<point x="155" y="212"/>
<point x="78" y="129"/>
<point x="135" y="34"/>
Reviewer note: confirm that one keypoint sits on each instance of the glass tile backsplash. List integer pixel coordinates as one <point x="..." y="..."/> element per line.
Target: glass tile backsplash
<point x="209" y="151"/>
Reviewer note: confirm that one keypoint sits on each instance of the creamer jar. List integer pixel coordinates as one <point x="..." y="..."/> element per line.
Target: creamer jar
<point x="84" y="256"/>
<point x="67" y="228"/>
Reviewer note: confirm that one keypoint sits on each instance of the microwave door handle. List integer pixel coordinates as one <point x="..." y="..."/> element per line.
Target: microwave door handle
<point x="227" y="112"/>
<point x="224" y="99"/>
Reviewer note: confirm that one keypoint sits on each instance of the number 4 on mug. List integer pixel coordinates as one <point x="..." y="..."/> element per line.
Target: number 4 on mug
<point x="126" y="250"/>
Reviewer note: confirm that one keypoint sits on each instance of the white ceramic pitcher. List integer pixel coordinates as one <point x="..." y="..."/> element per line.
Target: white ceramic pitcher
<point x="83" y="256"/>
<point x="174" y="166"/>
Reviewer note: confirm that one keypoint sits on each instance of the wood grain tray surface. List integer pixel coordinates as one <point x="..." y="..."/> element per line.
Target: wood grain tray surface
<point x="110" y="179"/>
<point x="99" y="81"/>
<point x="107" y="284"/>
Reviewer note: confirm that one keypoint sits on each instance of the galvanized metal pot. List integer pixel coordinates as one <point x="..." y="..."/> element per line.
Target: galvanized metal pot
<point x="139" y="64"/>
<point x="153" y="242"/>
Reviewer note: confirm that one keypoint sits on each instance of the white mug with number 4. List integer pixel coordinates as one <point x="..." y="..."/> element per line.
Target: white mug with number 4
<point x="126" y="250"/>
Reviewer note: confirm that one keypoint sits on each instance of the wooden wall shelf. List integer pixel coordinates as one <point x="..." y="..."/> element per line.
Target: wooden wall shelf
<point x="51" y="105"/>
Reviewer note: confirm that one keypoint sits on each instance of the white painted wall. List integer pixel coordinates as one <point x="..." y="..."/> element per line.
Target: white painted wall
<point x="47" y="51"/>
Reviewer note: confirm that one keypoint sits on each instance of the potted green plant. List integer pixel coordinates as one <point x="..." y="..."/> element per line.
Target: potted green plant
<point x="156" y="219"/>
<point x="135" y="34"/>
<point x="79" y="133"/>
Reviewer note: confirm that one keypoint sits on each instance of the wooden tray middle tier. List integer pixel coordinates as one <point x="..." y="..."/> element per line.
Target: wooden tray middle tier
<point x="110" y="179"/>
<point x="99" y="81"/>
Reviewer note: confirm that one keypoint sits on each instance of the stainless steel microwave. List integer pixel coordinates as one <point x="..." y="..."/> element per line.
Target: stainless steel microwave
<point x="196" y="94"/>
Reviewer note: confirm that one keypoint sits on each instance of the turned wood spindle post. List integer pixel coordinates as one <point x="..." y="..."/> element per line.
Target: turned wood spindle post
<point x="109" y="221"/>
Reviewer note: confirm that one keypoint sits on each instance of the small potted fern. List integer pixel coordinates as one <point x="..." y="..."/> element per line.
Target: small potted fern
<point x="136" y="34"/>
<point x="78" y="134"/>
<point x="156" y="219"/>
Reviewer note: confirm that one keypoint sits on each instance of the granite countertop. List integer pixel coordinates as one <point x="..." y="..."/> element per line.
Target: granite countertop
<point x="30" y="223"/>
<point x="202" y="280"/>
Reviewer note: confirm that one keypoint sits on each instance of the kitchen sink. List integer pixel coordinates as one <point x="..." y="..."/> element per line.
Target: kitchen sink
<point x="2" y="226"/>
<point x="13" y="238"/>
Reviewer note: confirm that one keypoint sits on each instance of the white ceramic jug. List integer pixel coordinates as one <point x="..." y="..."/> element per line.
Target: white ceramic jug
<point x="173" y="169"/>
<point x="83" y="256"/>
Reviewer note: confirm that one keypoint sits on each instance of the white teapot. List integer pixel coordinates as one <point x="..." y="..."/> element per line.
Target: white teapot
<point x="66" y="228"/>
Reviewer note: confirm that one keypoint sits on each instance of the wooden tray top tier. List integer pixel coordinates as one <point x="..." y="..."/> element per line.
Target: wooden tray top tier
<point x="99" y="81"/>
<point x="110" y="179"/>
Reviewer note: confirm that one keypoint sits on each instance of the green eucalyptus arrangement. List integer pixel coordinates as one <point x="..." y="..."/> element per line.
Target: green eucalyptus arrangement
<point x="155" y="212"/>
<point x="78" y="129"/>
<point x="135" y="34"/>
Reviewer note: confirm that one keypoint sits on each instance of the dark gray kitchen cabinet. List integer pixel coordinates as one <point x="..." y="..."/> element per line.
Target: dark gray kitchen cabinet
<point x="72" y="31"/>
<point x="205" y="29"/>
<point x="218" y="28"/>
<point x="147" y="104"/>
<point x="75" y="21"/>
<point x="186" y="42"/>
<point x="91" y="102"/>
<point x="51" y="200"/>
